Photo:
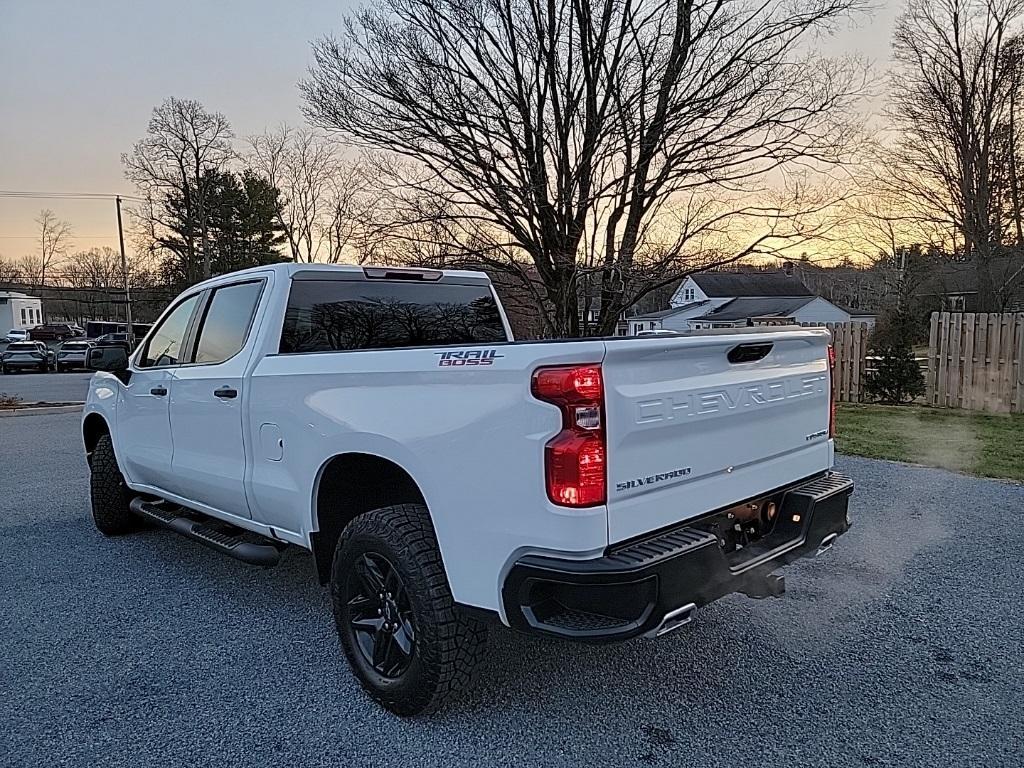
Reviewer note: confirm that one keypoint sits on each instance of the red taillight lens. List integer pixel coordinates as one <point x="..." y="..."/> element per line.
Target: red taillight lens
<point x="574" y="459"/>
<point x="831" y="391"/>
<point x="575" y="469"/>
<point x="567" y="386"/>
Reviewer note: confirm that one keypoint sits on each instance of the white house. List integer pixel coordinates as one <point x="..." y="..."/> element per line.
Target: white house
<point x="739" y="299"/>
<point x="19" y="311"/>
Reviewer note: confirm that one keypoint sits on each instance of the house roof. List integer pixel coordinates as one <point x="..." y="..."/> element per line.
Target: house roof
<point x="723" y="284"/>
<point x="746" y="307"/>
<point x="662" y="313"/>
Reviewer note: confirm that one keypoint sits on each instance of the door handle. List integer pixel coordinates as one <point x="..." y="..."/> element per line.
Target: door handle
<point x="159" y="391"/>
<point x="225" y="393"/>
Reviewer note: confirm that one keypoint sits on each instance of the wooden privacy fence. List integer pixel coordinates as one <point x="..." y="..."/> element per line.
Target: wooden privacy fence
<point x="850" y="341"/>
<point x="976" y="361"/>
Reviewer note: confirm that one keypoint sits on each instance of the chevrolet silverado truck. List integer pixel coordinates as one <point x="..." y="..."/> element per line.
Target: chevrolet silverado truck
<point x="446" y="477"/>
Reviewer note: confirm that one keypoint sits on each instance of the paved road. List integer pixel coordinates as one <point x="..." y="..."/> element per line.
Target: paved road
<point x="902" y="647"/>
<point x="46" y="387"/>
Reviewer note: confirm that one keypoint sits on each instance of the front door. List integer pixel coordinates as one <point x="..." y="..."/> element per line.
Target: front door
<point x="143" y="418"/>
<point x="207" y="401"/>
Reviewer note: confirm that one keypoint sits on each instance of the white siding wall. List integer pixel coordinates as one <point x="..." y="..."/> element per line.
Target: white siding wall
<point x="14" y="308"/>
<point x="683" y="296"/>
<point x="821" y="311"/>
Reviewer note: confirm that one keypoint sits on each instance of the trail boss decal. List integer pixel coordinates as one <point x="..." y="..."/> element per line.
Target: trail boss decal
<point x="661" y="477"/>
<point x="459" y="357"/>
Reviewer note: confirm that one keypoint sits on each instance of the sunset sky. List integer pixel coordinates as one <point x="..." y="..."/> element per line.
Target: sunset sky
<point x="78" y="81"/>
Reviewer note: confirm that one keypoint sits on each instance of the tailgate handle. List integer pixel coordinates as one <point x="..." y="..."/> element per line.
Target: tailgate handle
<point x="749" y="353"/>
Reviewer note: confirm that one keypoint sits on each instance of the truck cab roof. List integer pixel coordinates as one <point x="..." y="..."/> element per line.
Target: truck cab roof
<point x="367" y="271"/>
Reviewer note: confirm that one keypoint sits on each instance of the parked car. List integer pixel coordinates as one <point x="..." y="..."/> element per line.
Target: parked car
<point x="115" y="340"/>
<point x="72" y="354"/>
<point x="446" y="477"/>
<point x="52" y="332"/>
<point x="16" y="334"/>
<point x="26" y="355"/>
<point x="78" y="330"/>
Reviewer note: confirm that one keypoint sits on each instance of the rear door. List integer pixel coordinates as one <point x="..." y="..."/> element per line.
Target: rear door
<point x="208" y="395"/>
<point x="697" y="423"/>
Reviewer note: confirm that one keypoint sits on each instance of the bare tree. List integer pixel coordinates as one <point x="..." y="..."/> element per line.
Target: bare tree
<point x="954" y="99"/>
<point x="54" y="235"/>
<point x="319" y="190"/>
<point x="173" y="166"/>
<point x="9" y="271"/>
<point x="569" y="129"/>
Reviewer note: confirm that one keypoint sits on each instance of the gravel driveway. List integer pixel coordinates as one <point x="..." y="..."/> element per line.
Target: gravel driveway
<point x="902" y="647"/>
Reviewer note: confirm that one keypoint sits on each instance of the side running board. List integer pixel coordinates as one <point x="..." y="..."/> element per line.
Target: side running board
<point x="222" y="537"/>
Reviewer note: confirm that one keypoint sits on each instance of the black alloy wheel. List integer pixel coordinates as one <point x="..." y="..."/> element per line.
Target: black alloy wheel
<point x="379" y="616"/>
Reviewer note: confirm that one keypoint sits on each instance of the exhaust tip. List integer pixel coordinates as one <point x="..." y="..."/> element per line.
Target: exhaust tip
<point x="673" y="620"/>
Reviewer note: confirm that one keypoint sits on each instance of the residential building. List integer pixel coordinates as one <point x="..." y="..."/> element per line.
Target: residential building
<point x="739" y="299"/>
<point x="19" y="311"/>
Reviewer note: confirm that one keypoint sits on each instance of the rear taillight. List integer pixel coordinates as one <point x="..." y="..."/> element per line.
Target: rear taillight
<point x="831" y="391"/>
<point x="574" y="459"/>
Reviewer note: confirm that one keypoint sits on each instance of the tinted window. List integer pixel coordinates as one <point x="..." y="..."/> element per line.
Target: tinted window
<point x="327" y="315"/>
<point x="75" y="345"/>
<point x="22" y="348"/>
<point x="164" y="346"/>
<point x="227" y="321"/>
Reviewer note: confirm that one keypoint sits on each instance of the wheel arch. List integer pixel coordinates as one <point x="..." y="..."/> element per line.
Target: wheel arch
<point x="348" y="485"/>
<point x="94" y="426"/>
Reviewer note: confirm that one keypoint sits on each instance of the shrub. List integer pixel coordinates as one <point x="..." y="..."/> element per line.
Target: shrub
<point x="897" y="379"/>
<point x="9" y="401"/>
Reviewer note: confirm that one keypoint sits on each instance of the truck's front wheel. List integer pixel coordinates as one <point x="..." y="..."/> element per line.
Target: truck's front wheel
<point x="402" y="633"/>
<point x="110" y="496"/>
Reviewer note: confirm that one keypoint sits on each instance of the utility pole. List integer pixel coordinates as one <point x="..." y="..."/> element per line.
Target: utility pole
<point x="124" y="274"/>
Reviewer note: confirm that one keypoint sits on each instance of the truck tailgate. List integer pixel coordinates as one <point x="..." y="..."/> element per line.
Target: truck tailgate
<point x="690" y="431"/>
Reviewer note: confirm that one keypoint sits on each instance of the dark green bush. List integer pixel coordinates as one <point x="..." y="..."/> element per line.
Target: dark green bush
<point x="897" y="379"/>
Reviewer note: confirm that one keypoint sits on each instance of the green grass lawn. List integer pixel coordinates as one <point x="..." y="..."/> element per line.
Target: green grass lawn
<point x="984" y="444"/>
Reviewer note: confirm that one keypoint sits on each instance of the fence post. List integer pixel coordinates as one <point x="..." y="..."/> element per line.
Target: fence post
<point x="933" y="333"/>
<point x="1018" y="366"/>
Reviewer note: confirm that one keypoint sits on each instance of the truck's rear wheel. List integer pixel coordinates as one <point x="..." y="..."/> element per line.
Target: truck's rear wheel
<point x="110" y="496"/>
<point x="404" y="637"/>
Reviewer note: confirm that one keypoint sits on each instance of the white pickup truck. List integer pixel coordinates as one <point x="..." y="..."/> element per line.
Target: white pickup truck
<point x="444" y="475"/>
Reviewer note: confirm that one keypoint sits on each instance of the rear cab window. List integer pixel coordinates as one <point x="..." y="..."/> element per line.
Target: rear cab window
<point x="326" y="315"/>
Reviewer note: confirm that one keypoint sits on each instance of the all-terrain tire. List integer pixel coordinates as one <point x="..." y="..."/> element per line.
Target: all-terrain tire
<point x="448" y="643"/>
<point x="110" y="495"/>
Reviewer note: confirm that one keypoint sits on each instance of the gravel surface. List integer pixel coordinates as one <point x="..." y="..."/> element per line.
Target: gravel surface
<point x="47" y="387"/>
<point x="902" y="647"/>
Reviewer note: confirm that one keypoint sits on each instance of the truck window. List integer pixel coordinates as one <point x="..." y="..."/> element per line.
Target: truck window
<point x="334" y="315"/>
<point x="164" y="345"/>
<point x="226" y="325"/>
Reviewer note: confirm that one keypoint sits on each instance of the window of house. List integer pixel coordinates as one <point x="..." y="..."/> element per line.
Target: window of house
<point x="23" y="315"/>
<point x="688" y="294"/>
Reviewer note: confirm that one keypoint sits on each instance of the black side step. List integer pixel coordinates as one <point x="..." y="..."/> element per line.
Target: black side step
<point x="224" y="538"/>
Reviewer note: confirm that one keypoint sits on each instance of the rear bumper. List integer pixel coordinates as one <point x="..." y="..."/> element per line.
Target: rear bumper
<point x="652" y="585"/>
<point x="34" y="364"/>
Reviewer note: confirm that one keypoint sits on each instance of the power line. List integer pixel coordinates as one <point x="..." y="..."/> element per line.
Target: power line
<point x="67" y="195"/>
<point x="74" y="236"/>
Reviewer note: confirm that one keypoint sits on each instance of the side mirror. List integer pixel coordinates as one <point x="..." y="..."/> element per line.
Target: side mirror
<point x="111" y="359"/>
